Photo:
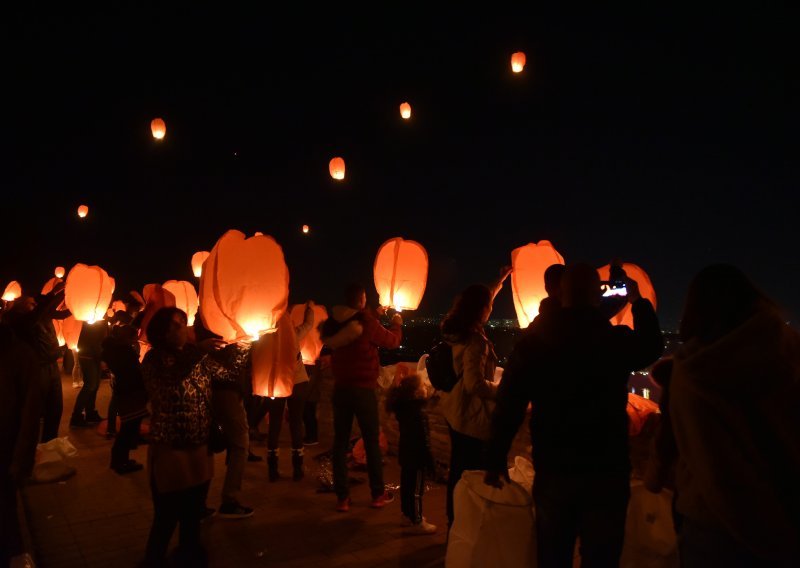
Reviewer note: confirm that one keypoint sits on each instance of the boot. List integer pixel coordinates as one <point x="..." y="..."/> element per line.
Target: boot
<point x="297" y="464"/>
<point x="272" y="465"/>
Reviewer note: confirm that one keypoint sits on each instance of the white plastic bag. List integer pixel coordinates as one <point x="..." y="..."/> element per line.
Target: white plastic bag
<point x="51" y="464"/>
<point x="522" y="473"/>
<point x="493" y="527"/>
<point x="650" y="540"/>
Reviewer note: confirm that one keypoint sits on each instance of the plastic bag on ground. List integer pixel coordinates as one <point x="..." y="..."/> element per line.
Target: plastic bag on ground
<point x="650" y="540"/>
<point x="51" y="464"/>
<point x="493" y="527"/>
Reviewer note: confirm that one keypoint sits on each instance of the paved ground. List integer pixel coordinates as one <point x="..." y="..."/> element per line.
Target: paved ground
<point x="98" y="518"/>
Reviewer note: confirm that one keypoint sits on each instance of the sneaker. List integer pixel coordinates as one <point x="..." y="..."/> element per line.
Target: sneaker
<point x="343" y="505"/>
<point x="129" y="466"/>
<point x="234" y="511"/>
<point x="78" y="422"/>
<point x="310" y="442"/>
<point x="382" y="500"/>
<point x="422" y="527"/>
<point x="93" y="417"/>
<point x="207" y="514"/>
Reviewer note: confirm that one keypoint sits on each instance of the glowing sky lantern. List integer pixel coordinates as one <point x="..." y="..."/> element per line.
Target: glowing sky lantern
<point x="244" y="288"/>
<point x="336" y="168"/>
<point x="159" y="128"/>
<point x="401" y="273"/>
<point x="58" y="325"/>
<point x="88" y="292"/>
<point x="405" y="111"/>
<point x="625" y="316"/>
<point x="527" y="278"/>
<point x="518" y="62"/>
<point x="12" y="291"/>
<point x="198" y="259"/>
<point x="185" y="297"/>
<point x="60" y="272"/>
<point x="49" y="285"/>
<point x="274" y="357"/>
<point x="306" y="229"/>
<point x="71" y="331"/>
<point x="83" y="211"/>
<point x="311" y="344"/>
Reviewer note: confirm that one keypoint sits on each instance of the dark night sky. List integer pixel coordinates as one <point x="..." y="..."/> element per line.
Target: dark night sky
<point x="663" y="139"/>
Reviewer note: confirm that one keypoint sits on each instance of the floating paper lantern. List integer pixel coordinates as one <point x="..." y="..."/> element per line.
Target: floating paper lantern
<point x="60" y="272"/>
<point x="527" y="278"/>
<point x="274" y="357"/>
<point x="185" y="297"/>
<point x="401" y="273"/>
<point x="306" y="229"/>
<point x="244" y="288"/>
<point x="336" y="168"/>
<point x="405" y="111"/>
<point x="83" y="211"/>
<point x="198" y="259"/>
<point x="88" y="292"/>
<point x="634" y="272"/>
<point x="159" y="128"/>
<point x="518" y="62"/>
<point x="311" y="344"/>
<point x="71" y="332"/>
<point x="12" y="291"/>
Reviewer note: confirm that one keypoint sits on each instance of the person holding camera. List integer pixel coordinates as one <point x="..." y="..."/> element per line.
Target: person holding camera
<point x="573" y="368"/>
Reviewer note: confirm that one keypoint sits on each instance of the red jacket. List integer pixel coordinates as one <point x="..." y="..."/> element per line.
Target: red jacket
<point x="354" y="336"/>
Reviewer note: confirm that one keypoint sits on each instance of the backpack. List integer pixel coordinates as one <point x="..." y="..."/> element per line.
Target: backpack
<point x="439" y="365"/>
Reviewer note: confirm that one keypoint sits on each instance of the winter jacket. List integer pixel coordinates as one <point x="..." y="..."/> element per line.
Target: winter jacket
<point x="468" y="406"/>
<point x="130" y="394"/>
<point x="414" y="450"/>
<point x="574" y="369"/>
<point x="90" y="341"/>
<point x="355" y="336"/>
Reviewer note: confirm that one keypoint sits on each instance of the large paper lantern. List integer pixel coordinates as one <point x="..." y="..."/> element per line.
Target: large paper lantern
<point x="185" y="297"/>
<point x="527" y="278"/>
<point x="625" y="315"/>
<point x="159" y="128"/>
<point x="311" y="344"/>
<point x="401" y="273"/>
<point x="59" y="272"/>
<point x="274" y="357"/>
<point x="71" y="332"/>
<point x="518" y="62"/>
<point x="83" y="211"/>
<point x="49" y="285"/>
<point x="405" y="111"/>
<point x="336" y="168"/>
<point x="244" y="288"/>
<point x="12" y="291"/>
<point x="88" y="292"/>
<point x="198" y="259"/>
<point x="58" y="325"/>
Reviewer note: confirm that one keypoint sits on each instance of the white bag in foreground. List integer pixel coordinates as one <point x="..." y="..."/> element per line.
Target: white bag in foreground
<point x="650" y="540"/>
<point x="50" y="463"/>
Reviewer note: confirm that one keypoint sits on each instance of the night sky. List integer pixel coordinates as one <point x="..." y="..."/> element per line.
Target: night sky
<point x="668" y="140"/>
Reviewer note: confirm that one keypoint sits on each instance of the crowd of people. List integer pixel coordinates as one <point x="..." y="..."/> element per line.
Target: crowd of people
<point x="727" y="445"/>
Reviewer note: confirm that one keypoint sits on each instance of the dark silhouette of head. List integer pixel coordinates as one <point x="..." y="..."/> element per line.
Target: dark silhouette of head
<point x="470" y="310"/>
<point x="552" y="281"/>
<point x="167" y="329"/>
<point x="355" y="296"/>
<point x="580" y="286"/>
<point x="720" y="299"/>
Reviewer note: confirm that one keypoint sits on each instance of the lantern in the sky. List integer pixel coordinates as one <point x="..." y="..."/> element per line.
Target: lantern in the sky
<point x="244" y="288"/>
<point x="159" y="128"/>
<point x="336" y="168"/>
<point x="527" y="278"/>
<point x="185" y="297"/>
<point x="88" y="292"/>
<point x="401" y="273"/>
<point x="405" y="111"/>
<point x="83" y="211"/>
<point x="517" y="62"/>
<point x="273" y="359"/>
<point x="198" y="259"/>
<point x="12" y="291"/>
<point x="71" y="331"/>
<point x="634" y="272"/>
<point x="59" y="272"/>
<point x="306" y="229"/>
<point x="311" y="344"/>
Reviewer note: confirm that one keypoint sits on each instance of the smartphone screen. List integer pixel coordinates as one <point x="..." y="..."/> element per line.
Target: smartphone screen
<point x="609" y="290"/>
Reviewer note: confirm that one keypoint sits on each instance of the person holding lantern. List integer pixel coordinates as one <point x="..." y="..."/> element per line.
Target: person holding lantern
<point x="354" y="334"/>
<point x="90" y="350"/>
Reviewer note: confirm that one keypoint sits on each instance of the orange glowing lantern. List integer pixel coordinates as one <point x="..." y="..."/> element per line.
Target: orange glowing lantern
<point x="527" y="278"/>
<point x="12" y="291"/>
<point x="311" y="344"/>
<point x="244" y="288"/>
<point x="405" y="111"/>
<point x="60" y="272"/>
<point x="336" y="168"/>
<point x="159" y="128"/>
<point x="274" y="357"/>
<point x="49" y="285"/>
<point x="71" y="332"/>
<point x="401" y="273"/>
<point x="306" y="229"/>
<point x="185" y="297"/>
<point x="198" y="259"/>
<point x="518" y="62"/>
<point x="88" y="292"/>
<point x="625" y="315"/>
<point x="58" y="325"/>
<point x="83" y="211"/>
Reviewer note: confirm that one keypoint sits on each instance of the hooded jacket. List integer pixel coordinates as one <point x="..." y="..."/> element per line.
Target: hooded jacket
<point x="354" y="337"/>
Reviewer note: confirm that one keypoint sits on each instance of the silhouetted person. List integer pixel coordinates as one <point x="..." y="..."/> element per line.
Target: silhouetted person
<point x="552" y="285"/>
<point x="734" y="402"/>
<point x="90" y="352"/>
<point x="574" y="370"/>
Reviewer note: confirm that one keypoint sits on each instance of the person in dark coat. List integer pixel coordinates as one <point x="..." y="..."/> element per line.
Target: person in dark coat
<point x="574" y="369"/>
<point x="90" y="350"/>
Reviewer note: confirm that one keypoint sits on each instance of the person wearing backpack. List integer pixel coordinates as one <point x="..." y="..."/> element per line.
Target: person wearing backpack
<point x="469" y="404"/>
